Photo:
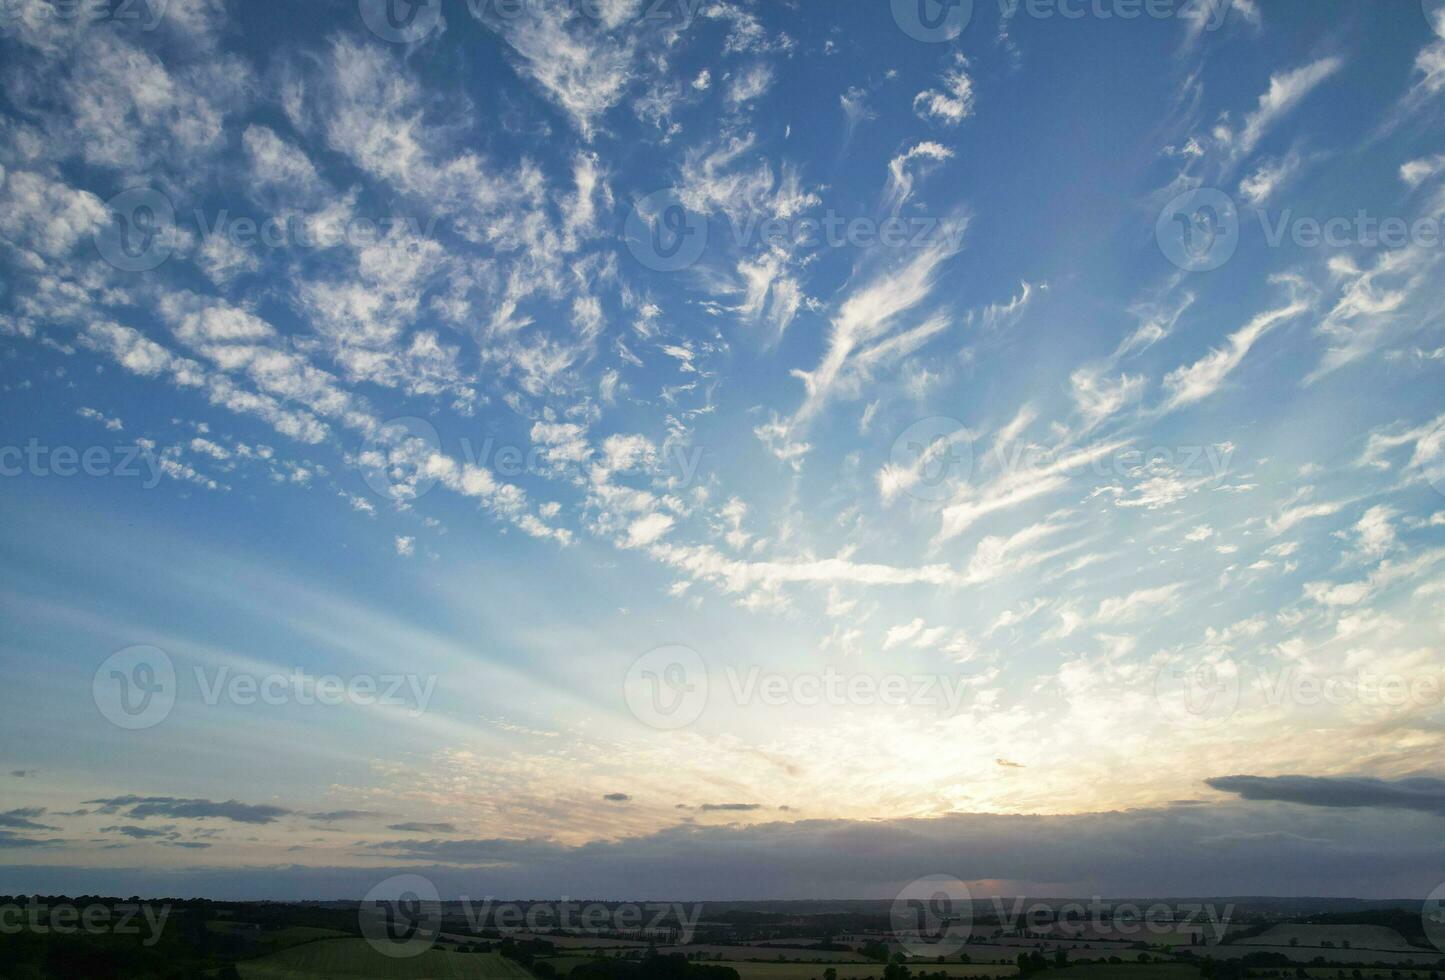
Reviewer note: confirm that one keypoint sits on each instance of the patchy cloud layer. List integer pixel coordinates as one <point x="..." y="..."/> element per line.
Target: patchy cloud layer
<point x="456" y="367"/>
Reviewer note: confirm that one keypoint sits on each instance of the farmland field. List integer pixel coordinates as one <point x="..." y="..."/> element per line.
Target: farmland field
<point x="856" y="971"/>
<point x="771" y="953"/>
<point x="1359" y="937"/>
<point x="354" y="959"/>
<point x="1304" y="954"/>
<point x="564" y="964"/>
<point x="1132" y="971"/>
<point x="277" y="938"/>
<point x="989" y="953"/>
<point x="560" y="941"/>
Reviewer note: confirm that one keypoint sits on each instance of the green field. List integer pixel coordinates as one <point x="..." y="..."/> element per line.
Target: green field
<point x="354" y="959"/>
<point x="564" y="964"/>
<point x="1126" y="971"/>
<point x="856" y="971"/>
<point x="277" y="938"/>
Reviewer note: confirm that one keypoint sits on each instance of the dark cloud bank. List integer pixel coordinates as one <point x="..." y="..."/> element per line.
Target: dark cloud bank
<point x="1286" y="835"/>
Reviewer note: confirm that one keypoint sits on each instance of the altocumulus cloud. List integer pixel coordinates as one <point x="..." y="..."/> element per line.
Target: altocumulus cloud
<point x="141" y="807"/>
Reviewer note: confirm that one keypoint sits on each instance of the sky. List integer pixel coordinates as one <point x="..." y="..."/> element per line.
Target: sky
<point x="652" y="448"/>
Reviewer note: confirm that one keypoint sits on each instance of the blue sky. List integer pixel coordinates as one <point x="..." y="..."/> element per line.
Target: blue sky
<point x="574" y="372"/>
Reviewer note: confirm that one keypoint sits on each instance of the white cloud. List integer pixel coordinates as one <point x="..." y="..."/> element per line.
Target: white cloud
<point x="953" y="102"/>
<point x="1286" y="90"/>
<point x="1191" y="383"/>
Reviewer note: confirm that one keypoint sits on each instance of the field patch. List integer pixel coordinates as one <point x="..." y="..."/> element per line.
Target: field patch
<point x="770" y="953"/>
<point x="858" y="971"/>
<point x="1359" y="937"/>
<point x="1127" y="971"/>
<point x="354" y="959"/>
